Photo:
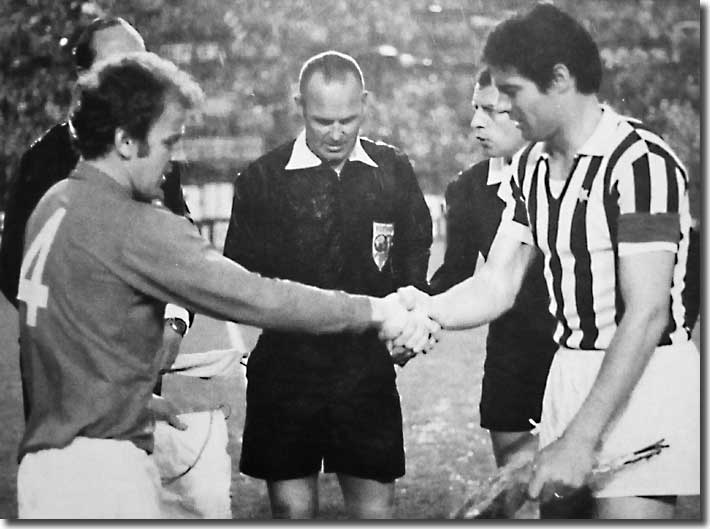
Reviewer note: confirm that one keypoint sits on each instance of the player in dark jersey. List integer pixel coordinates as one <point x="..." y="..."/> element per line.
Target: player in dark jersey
<point x="100" y="262"/>
<point x="53" y="156"/>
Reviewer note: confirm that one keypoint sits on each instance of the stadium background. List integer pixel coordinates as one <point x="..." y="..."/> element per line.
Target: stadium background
<point x="419" y="58"/>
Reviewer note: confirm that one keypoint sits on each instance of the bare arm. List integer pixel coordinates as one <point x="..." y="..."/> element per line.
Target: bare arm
<point x="490" y="291"/>
<point x="645" y="282"/>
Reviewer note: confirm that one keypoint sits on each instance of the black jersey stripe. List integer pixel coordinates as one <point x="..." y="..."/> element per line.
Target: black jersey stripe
<point x="553" y="212"/>
<point x="584" y="279"/>
<point x="642" y="183"/>
<point x="671" y="175"/>
<point x="532" y="201"/>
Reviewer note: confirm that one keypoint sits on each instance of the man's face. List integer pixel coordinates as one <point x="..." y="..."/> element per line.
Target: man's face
<point x="152" y="157"/>
<point x="114" y="40"/>
<point x="496" y="132"/>
<point x="333" y="112"/>
<point x="534" y="111"/>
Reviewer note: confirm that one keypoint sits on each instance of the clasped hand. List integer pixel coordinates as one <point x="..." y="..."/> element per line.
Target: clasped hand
<point x="407" y="327"/>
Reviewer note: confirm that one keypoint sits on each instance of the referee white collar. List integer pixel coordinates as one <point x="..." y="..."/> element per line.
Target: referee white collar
<point x="302" y="157"/>
<point x="499" y="170"/>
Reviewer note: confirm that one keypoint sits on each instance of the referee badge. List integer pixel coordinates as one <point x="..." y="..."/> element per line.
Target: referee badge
<point x="382" y="240"/>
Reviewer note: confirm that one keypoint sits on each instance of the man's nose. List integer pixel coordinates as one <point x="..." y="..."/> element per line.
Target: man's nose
<point x="479" y="118"/>
<point x="336" y="132"/>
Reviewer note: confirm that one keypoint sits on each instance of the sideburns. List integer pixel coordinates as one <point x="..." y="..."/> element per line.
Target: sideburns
<point x="143" y="149"/>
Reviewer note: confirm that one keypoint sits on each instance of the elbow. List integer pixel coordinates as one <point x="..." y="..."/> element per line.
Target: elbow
<point x="654" y="318"/>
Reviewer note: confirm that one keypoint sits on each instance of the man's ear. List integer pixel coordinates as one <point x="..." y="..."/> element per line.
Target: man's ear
<point x="365" y="93"/>
<point x="562" y="80"/>
<point x="298" y="98"/>
<point x="124" y="144"/>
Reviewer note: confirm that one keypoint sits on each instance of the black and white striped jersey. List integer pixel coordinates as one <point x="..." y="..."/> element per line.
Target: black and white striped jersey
<point x="626" y="193"/>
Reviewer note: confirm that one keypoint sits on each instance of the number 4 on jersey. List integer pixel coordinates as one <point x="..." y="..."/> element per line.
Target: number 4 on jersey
<point x="31" y="290"/>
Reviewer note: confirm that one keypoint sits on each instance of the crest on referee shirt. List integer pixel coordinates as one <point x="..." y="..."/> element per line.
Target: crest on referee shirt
<point x="382" y="240"/>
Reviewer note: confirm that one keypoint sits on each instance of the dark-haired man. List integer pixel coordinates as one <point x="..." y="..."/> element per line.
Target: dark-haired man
<point x="100" y="263"/>
<point x="606" y="200"/>
<point x="333" y="210"/>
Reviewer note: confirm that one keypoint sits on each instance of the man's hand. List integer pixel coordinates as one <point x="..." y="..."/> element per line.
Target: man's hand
<point x="410" y="329"/>
<point x="561" y="468"/>
<point x="164" y="410"/>
<point x="170" y="347"/>
<point x="413" y="298"/>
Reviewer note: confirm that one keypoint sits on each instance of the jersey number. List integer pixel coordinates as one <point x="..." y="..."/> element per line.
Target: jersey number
<point x="31" y="290"/>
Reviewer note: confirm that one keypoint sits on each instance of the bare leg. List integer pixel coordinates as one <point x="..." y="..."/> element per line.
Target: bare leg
<point x="294" y="498"/>
<point x="508" y="444"/>
<point x="367" y="499"/>
<point x="636" y="508"/>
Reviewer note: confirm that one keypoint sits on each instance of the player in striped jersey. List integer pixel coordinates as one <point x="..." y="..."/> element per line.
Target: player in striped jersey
<point x="606" y="200"/>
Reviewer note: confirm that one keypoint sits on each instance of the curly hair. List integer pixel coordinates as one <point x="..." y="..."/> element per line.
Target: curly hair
<point x="534" y="43"/>
<point x="128" y="92"/>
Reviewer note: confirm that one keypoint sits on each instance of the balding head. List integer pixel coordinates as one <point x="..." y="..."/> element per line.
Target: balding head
<point x="104" y="38"/>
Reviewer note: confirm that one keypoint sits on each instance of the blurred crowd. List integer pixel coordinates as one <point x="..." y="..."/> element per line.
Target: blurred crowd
<point x="419" y="56"/>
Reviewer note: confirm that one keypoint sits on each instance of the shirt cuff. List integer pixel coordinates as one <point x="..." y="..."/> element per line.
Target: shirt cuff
<point x="175" y="311"/>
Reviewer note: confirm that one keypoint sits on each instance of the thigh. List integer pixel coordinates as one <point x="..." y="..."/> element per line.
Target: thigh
<point x="508" y="445"/>
<point x="367" y="499"/>
<point x="294" y="498"/>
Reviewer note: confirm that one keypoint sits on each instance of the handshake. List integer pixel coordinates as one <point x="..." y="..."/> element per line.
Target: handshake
<point x="407" y="324"/>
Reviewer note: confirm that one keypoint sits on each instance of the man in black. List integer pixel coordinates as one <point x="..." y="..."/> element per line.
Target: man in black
<point x="334" y="210"/>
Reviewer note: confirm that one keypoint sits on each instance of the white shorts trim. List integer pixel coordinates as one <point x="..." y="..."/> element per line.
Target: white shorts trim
<point x="664" y="404"/>
<point x="89" y="478"/>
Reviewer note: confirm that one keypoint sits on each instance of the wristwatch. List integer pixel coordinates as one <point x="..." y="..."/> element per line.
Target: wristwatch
<point x="178" y="325"/>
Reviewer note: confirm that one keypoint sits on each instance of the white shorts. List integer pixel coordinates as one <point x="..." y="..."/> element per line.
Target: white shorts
<point x="195" y="467"/>
<point x="665" y="404"/>
<point x="89" y="478"/>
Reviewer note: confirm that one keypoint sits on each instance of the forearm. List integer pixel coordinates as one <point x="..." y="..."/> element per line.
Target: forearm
<point x="625" y="359"/>
<point x="475" y="301"/>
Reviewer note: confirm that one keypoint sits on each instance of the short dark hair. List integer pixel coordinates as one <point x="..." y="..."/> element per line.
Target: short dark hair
<point x="128" y="92"/>
<point x="333" y="65"/>
<point x="535" y="42"/>
<point x="84" y="51"/>
<point x="484" y="79"/>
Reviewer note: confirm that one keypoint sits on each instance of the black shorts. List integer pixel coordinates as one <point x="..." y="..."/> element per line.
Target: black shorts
<point x="290" y="432"/>
<point x="513" y="386"/>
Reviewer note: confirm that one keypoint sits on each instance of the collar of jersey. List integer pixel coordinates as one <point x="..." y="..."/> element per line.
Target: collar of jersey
<point x="605" y="135"/>
<point x="302" y="157"/>
<point x="91" y="173"/>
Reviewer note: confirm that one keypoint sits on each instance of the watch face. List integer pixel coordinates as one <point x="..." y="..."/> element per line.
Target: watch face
<point x="178" y="326"/>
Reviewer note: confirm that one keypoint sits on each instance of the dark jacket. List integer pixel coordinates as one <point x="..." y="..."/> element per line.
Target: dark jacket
<point x="49" y="160"/>
<point x="311" y="226"/>
<point x="473" y="214"/>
